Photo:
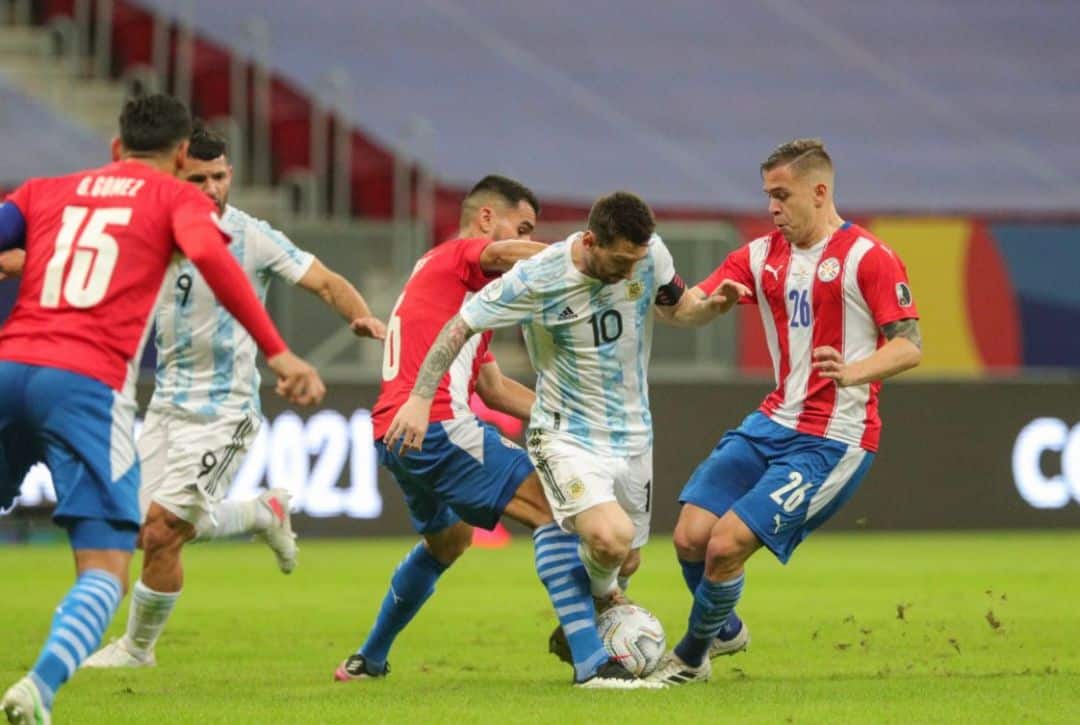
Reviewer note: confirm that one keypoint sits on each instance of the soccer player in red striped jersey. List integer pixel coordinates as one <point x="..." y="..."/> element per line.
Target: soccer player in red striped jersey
<point x="97" y="244"/>
<point x="839" y="318"/>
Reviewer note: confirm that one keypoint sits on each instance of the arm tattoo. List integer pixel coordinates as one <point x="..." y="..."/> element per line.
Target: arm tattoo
<point x="441" y="356"/>
<point x="907" y="329"/>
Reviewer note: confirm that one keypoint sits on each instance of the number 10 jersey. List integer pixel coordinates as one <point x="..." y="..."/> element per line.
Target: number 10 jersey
<point x="589" y="343"/>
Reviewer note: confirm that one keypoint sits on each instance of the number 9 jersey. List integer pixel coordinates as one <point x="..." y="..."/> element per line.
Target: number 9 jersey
<point x="98" y="243"/>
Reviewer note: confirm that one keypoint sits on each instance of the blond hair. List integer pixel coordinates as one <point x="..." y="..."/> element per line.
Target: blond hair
<point x="802" y="154"/>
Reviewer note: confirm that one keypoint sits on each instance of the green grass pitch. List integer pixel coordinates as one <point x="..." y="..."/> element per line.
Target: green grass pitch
<point x="858" y="628"/>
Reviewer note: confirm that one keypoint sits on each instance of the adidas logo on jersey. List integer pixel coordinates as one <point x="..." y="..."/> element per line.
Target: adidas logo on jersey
<point x="567" y="314"/>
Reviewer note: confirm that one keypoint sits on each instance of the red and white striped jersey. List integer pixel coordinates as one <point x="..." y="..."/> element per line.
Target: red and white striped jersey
<point x="441" y="281"/>
<point x="838" y="293"/>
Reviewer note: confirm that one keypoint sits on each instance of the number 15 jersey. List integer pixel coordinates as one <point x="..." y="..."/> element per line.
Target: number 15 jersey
<point x="97" y="246"/>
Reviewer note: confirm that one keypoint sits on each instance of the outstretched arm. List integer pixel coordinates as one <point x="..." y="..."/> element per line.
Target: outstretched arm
<point x="499" y="257"/>
<point x="340" y="295"/>
<point x="903" y="351"/>
<point x="695" y="308"/>
<point x="411" y="421"/>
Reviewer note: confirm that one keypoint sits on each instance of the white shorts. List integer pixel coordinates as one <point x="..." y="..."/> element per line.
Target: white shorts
<point x="188" y="462"/>
<point x="576" y="479"/>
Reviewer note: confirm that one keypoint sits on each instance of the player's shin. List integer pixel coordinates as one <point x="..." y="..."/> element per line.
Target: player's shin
<point x="80" y="620"/>
<point x="692" y="573"/>
<point x="714" y="602"/>
<point x="567" y="583"/>
<point x="603" y="577"/>
<point x="147" y="617"/>
<point x="413" y="584"/>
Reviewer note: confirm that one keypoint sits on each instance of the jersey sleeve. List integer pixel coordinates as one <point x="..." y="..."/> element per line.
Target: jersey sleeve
<point x="195" y="216"/>
<point x="505" y="301"/>
<point x="12" y="227"/>
<point x="669" y="285"/>
<point x="735" y="267"/>
<point x="472" y="274"/>
<point x="883" y="281"/>
<point x="277" y="255"/>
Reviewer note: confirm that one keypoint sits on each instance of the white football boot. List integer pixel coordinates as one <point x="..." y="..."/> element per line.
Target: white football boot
<point x="673" y="671"/>
<point x="23" y="705"/>
<point x="613" y="676"/>
<point x="739" y="643"/>
<point x="117" y="654"/>
<point x="280" y="537"/>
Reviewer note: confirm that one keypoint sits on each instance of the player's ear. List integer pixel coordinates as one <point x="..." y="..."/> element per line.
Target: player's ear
<point x="588" y="239"/>
<point x="181" y="154"/>
<point x="116" y="148"/>
<point x="485" y="219"/>
<point x="821" y="193"/>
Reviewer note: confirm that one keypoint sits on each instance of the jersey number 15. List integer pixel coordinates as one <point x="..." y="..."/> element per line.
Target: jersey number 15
<point x="94" y="261"/>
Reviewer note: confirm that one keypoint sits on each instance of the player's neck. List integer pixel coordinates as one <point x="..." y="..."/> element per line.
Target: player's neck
<point x="160" y="163"/>
<point x="821" y="231"/>
<point x="471" y="232"/>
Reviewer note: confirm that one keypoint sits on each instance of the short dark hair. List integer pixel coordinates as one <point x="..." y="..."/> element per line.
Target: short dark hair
<point x="154" y="123"/>
<point x="621" y="215"/>
<point x="206" y="145"/>
<point x="512" y="192"/>
<point x="803" y="154"/>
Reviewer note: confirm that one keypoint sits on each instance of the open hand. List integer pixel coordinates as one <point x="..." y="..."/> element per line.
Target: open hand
<point x="728" y="294"/>
<point x="371" y="327"/>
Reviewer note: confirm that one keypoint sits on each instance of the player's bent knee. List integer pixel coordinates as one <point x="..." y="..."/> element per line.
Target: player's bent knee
<point x="609" y="545"/>
<point x="725" y="552"/>
<point x="158" y="536"/>
<point x="448" y="546"/>
<point x="689" y="545"/>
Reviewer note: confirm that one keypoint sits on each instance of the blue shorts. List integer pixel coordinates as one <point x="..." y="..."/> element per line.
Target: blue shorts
<point x="84" y="432"/>
<point x="465" y="471"/>
<point x="782" y="484"/>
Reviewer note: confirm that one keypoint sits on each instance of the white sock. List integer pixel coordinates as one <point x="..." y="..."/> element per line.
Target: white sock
<point x="149" y="612"/>
<point x="232" y="518"/>
<point x="602" y="579"/>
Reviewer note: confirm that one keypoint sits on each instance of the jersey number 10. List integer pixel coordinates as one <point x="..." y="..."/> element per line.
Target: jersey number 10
<point x="95" y="257"/>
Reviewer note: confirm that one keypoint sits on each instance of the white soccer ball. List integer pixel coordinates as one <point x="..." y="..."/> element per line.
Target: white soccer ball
<point x="633" y="636"/>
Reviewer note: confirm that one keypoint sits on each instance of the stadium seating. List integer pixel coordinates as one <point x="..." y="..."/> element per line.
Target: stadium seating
<point x="40" y="142"/>
<point x="681" y="101"/>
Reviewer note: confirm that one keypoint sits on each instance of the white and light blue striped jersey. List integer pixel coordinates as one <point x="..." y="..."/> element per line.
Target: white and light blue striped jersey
<point x="589" y="343"/>
<point x="206" y="360"/>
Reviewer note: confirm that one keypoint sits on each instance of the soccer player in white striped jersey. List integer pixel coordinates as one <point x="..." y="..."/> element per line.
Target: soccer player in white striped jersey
<point x="205" y="410"/>
<point x="586" y="308"/>
<point x="839" y="318"/>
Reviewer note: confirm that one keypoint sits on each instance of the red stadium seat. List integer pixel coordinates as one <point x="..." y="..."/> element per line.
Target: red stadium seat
<point x="210" y="79"/>
<point x="372" y="179"/>
<point x="290" y="128"/>
<point x="132" y="36"/>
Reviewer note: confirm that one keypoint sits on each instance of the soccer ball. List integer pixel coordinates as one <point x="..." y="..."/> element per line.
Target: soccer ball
<point x="633" y="636"/>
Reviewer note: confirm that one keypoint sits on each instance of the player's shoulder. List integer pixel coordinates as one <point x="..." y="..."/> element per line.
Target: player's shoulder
<point x="547" y="268"/>
<point x="870" y="245"/>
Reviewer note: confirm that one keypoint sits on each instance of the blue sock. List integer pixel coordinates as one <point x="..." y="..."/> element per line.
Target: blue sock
<point x="413" y="584"/>
<point x="692" y="571"/>
<point x="567" y="583"/>
<point x="713" y="603"/>
<point x="78" y="624"/>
